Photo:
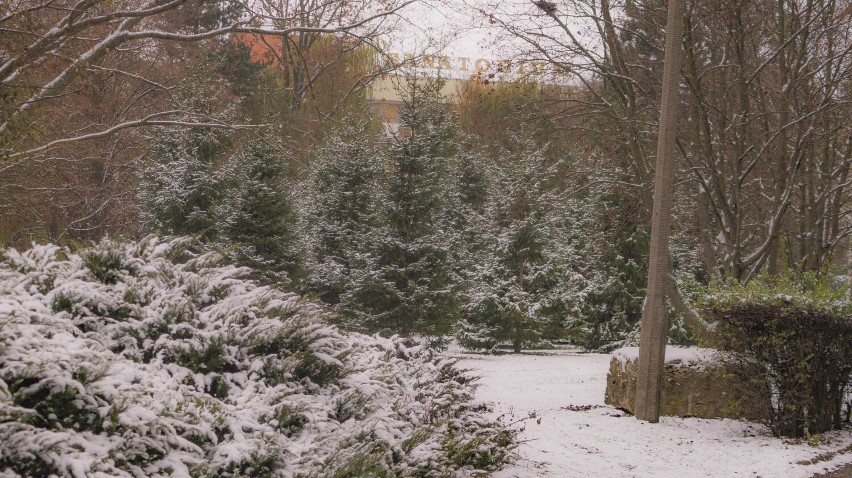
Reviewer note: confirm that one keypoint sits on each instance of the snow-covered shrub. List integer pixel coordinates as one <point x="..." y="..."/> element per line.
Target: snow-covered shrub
<point x="793" y="335"/>
<point x="149" y="359"/>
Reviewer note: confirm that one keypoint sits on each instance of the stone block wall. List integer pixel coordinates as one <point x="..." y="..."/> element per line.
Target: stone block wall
<point x="696" y="385"/>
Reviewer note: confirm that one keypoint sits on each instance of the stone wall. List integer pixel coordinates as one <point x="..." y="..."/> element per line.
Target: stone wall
<point x="696" y="385"/>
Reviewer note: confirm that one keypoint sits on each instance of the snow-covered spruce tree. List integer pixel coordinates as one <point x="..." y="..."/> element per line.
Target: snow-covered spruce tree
<point x="148" y="359"/>
<point x="612" y="246"/>
<point x="409" y="286"/>
<point x="233" y="197"/>
<point x="340" y="212"/>
<point x="474" y="177"/>
<point x="473" y="221"/>
<point x="256" y="214"/>
<point x="524" y="276"/>
<point x="617" y="254"/>
<point x="180" y="186"/>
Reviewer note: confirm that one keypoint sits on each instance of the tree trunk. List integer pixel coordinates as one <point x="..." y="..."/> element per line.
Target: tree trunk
<point x="653" y="334"/>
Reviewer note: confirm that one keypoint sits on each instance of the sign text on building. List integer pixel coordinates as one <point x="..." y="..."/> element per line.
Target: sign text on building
<point x="469" y="65"/>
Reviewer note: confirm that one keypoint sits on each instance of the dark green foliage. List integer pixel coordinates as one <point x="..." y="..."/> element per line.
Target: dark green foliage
<point x="88" y="314"/>
<point x="290" y="420"/>
<point x="473" y="181"/>
<point x="105" y="266"/>
<point x="379" y="228"/>
<point x="612" y="308"/>
<point x="219" y="387"/>
<point x="28" y="466"/>
<point x="257" y="216"/>
<point x="412" y="291"/>
<point x="180" y="188"/>
<point x="794" y="336"/>
<point x="367" y="462"/>
<point x="256" y="466"/>
<point x="475" y="453"/>
<point x="238" y="201"/>
<point x="341" y="211"/>
<point x="217" y="14"/>
<point x="43" y="284"/>
<point x="521" y="253"/>
<point x="410" y="287"/>
<point x="316" y="370"/>
<point x="57" y="409"/>
<point x="419" y="163"/>
<point x="258" y="86"/>
<point x="211" y="358"/>
<point x="349" y="406"/>
<point x="289" y="342"/>
<point x="62" y="303"/>
<point x="480" y="450"/>
<point x="234" y="63"/>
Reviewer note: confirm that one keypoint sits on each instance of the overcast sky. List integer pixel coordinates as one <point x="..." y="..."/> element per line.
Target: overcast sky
<point x="456" y="30"/>
<point x="461" y="28"/>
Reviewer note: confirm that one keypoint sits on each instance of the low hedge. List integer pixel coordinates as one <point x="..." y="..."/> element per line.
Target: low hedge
<point x="792" y="335"/>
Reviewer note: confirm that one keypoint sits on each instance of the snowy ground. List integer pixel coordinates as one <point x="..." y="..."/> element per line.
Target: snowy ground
<point x="603" y="442"/>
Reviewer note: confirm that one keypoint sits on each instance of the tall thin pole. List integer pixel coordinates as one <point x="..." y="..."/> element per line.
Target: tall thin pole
<point x="654" y="329"/>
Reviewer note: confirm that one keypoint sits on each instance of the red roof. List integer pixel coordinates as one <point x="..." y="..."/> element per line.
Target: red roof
<point x="262" y="47"/>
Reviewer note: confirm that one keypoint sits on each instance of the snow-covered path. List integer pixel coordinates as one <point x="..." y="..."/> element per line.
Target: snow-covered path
<point x="571" y="441"/>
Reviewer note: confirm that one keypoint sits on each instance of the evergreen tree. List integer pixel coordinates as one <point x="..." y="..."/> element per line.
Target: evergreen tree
<point x="618" y="254"/>
<point x="408" y="286"/>
<point x="340" y="207"/>
<point x="474" y="176"/>
<point x="240" y="203"/>
<point x="257" y="214"/>
<point x="181" y="185"/>
<point x="523" y="278"/>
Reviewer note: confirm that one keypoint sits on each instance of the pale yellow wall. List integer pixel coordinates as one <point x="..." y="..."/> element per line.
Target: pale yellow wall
<point x="387" y="88"/>
<point x="386" y="100"/>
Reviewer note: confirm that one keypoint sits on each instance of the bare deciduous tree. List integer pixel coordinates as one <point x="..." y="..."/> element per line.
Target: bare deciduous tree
<point x="764" y="148"/>
<point x="50" y="50"/>
<point x="80" y="79"/>
<point x="769" y="144"/>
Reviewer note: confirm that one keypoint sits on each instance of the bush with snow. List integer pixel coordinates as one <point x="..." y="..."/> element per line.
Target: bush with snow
<point x="793" y="336"/>
<point x="151" y="359"/>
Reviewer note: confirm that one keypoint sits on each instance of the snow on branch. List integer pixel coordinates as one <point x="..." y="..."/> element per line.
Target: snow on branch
<point x="50" y="54"/>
